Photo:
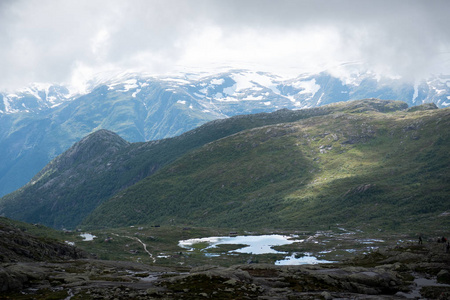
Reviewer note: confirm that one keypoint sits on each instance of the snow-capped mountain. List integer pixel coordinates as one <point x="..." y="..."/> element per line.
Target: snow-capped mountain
<point x="34" y="98"/>
<point x="39" y="122"/>
<point x="219" y="92"/>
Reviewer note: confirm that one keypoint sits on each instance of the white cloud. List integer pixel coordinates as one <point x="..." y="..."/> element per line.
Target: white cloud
<point x="52" y="40"/>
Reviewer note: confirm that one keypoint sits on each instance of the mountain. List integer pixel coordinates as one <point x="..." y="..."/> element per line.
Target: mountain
<point x="353" y="161"/>
<point x="42" y="121"/>
<point x="361" y="165"/>
<point x="73" y="184"/>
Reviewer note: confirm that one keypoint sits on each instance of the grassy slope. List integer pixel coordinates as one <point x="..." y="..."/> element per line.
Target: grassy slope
<point x="55" y="201"/>
<point x="383" y="170"/>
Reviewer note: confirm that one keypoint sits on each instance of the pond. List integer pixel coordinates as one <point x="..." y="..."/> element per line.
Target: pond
<point x="87" y="237"/>
<point x="254" y="244"/>
<point x="301" y="259"/>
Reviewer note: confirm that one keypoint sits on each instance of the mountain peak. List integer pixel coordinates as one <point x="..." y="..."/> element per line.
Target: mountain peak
<point x="96" y="145"/>
<point x="92" y="152"/>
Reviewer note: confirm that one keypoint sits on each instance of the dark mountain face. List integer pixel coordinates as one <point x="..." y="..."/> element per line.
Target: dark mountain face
<point x="102" y="164"/>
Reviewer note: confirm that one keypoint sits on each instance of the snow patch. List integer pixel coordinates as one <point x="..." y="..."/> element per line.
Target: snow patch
<point x="129" y="85"/>
<point x="416" y="91"/>
<point x="230" y="90"/>
<point x="308" y="87"/>
<point x="291" y="98"/>
<point x="217" y="81"/>
<point x="253" y="98"/>
<point x="135" y="93"/>
<point x="320" y="99"/>
<point x="181" y="101"/>
<point x="178" y="80"/>
<point x="252" y="80"/>
<point x="55" y="105"/>
<point x="227" y="99"/>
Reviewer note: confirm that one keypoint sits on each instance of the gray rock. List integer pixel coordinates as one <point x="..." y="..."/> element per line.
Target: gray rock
<point x="443" y="277"/>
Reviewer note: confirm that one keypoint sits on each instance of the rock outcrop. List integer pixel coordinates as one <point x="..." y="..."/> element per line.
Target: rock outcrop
<point x="383" y="274"/>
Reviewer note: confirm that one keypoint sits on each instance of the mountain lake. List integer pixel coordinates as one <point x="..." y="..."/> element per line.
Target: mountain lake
<point x="254" y="244"/>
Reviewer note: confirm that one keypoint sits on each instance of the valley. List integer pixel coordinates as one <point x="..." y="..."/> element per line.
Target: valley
<point x="335" y="197"/>
<point x="366" y="265"/>
<point x="225" y="150"/>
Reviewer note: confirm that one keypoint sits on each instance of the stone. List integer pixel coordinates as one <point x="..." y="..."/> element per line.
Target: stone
<point x="443" y="277"/>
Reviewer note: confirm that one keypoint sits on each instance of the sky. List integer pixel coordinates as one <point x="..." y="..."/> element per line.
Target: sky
<point x="69" y="41"/>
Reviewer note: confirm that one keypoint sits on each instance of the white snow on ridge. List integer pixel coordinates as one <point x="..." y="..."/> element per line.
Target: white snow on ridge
<point x="309" y="87"/>
<point x="32" y="92"/>
<point x="135" y="93"/>
<point x="227" y="99"/>
<point x="8" y="108"/>
<point x="217" y="81"/>
<point x="252" y="80"/>
<point x="129" y="85"/>
<point x="253" y="98"/>
<point x="320" y="99"/>
<point x="112" y="86"/>
<point x="178" y="80"/>
<point x="439" y="91"/>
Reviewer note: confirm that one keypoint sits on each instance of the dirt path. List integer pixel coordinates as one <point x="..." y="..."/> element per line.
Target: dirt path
<point x="143" y="244"/>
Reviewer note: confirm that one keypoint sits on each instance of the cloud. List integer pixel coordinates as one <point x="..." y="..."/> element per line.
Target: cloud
<point x="60" y="41"/>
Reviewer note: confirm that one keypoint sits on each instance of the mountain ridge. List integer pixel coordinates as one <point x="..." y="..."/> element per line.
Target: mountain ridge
<point x="137" y="161"/>
<point x="375" y="169"/>
<point x="79" y="195"/>
<point x="42" y="121"/>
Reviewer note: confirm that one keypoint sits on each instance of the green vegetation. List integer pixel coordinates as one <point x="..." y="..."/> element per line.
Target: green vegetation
<point x="70" y="187"/>
<point x="384" y="171"/>
<point x="368" y="162"/>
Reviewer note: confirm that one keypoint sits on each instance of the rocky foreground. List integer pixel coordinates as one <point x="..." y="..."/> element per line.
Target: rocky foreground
<point x="408" y="271"/>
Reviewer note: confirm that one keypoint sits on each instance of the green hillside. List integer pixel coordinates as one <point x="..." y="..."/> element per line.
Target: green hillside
<point x="71" y="186"/>
<point x="376" y="167"/>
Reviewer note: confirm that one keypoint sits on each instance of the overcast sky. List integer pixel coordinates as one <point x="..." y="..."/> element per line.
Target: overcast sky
<point x="69" y="40"/>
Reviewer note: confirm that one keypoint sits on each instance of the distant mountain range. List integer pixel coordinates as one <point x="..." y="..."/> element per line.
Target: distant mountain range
<point x="42" y="121"/>
<point x="376" y="163"/>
